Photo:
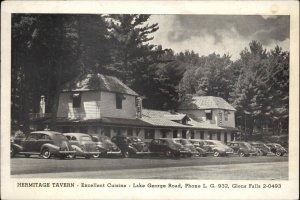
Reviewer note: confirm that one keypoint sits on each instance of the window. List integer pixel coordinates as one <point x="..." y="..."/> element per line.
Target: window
<point x="175" y="133"/>
<point x="33" y="136"/>
<point x="130" y="132"/>
<point x="210" y="135"/>
<point x="202" y="135"/>
<point x="225" y="137"/>
<point x="183" y="133"/>
<point x="192" y="135"/>
<point x="218" y="136"/>
<point x="208" y="114"/>
<point x="45" y="137"/>
<point x="164" y="133"/>
<point x="118" y="131"/>
<point x="76" y="100"/>
<point x="226" y="115"/>
<point x="119" y="99"/>
<point x="73" y="138"/>
<point x="65" y="129"/>
<point x="107" y="131"/>
<point x="232" y="136"/>
<point x="83" y="129"/>
<point x="149" y="133"/>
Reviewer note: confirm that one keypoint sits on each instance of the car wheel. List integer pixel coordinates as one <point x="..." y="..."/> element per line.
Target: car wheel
<point x="12" y="152"/>
<point x="169" y="153"/>
<point x="176" y="155"/>
<point x="126" y="154"/>
<point x="72" y="156"/>
<point x="278" y="153"/>
<point x="216" y="154"/>
<point x="242" y="154"/>
<point x="97" y="155"/>
<point x="46" y="153"/>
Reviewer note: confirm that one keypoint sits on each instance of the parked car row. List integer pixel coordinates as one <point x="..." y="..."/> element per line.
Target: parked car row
<point x="63" y="145"/>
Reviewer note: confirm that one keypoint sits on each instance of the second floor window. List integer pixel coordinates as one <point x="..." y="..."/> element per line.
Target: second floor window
<point x="208" y="114"/>
<point x="119" y="99"/>
<point x="76" y="100"/>
<point x="226" y="115"/>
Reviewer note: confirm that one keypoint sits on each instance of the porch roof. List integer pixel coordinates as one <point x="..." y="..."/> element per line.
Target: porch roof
<point x="103" y="120"/>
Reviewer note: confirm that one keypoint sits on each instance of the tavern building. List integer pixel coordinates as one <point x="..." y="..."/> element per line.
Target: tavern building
<point x="103" y="105"/>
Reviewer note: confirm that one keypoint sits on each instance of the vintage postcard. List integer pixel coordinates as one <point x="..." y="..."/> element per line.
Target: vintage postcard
<point x="149" y="100"/>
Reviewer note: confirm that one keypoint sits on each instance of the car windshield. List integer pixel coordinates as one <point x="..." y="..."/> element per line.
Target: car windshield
<point x="177" y="141"/>
<point x="196" y="143"/>
<point x="185" y="142"/>
<point x="95" y="139"/>
<point x="86" y="138"/>
<point x="247" y="145"/>
<point x="278" y="146"/>
<point x="103" y="139"/>
<point x="217" y="143"/>
<point x="136" y="139"/>
<point x="209" y="143"/>
<point x="59" y="137"/>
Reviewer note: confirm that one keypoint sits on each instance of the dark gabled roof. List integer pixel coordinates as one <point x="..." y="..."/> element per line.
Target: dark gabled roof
<point x="98" y="82"/>
<point x="157" y="118"/>
<point x="205" y="102"/>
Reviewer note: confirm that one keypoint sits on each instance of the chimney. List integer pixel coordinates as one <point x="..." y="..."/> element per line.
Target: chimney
<point x="139" y="106"/>
<point x="42" y="106"/>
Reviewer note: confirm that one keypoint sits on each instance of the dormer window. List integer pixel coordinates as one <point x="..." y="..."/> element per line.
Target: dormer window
<point x="226" y="115"/>
<point x="208" y="114"/>
<point x="119" y="99"/>
<point x="76" y="100"/>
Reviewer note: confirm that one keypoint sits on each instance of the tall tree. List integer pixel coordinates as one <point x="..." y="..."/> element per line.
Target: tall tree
<point x="249" y="91"/>
<point x="24" y="34"/>
<point x="130" y="35"/>
<point x="50" y="50"/>
<point x="208" y="75"/>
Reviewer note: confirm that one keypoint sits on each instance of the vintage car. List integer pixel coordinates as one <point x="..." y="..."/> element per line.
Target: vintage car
<point x="83" y="145"/>
<point x="129" y="146"/>
<point x="43" y="143"/>
<point x="187" y="144"/>
<point x="217" y="148"/>
<point x="168" y="147"/>
<point x="262" y="148"/>
<point x="277" y="149"/>
<point x="198" y="144"/>
<point x="106" y="146"/>
<point x="243" y="149"/>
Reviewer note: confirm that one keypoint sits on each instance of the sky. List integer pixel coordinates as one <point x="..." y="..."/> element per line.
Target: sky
<point x="222" y="34"/>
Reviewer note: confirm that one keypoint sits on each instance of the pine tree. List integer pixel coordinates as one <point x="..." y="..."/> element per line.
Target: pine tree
<point x="130" y="35"/>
